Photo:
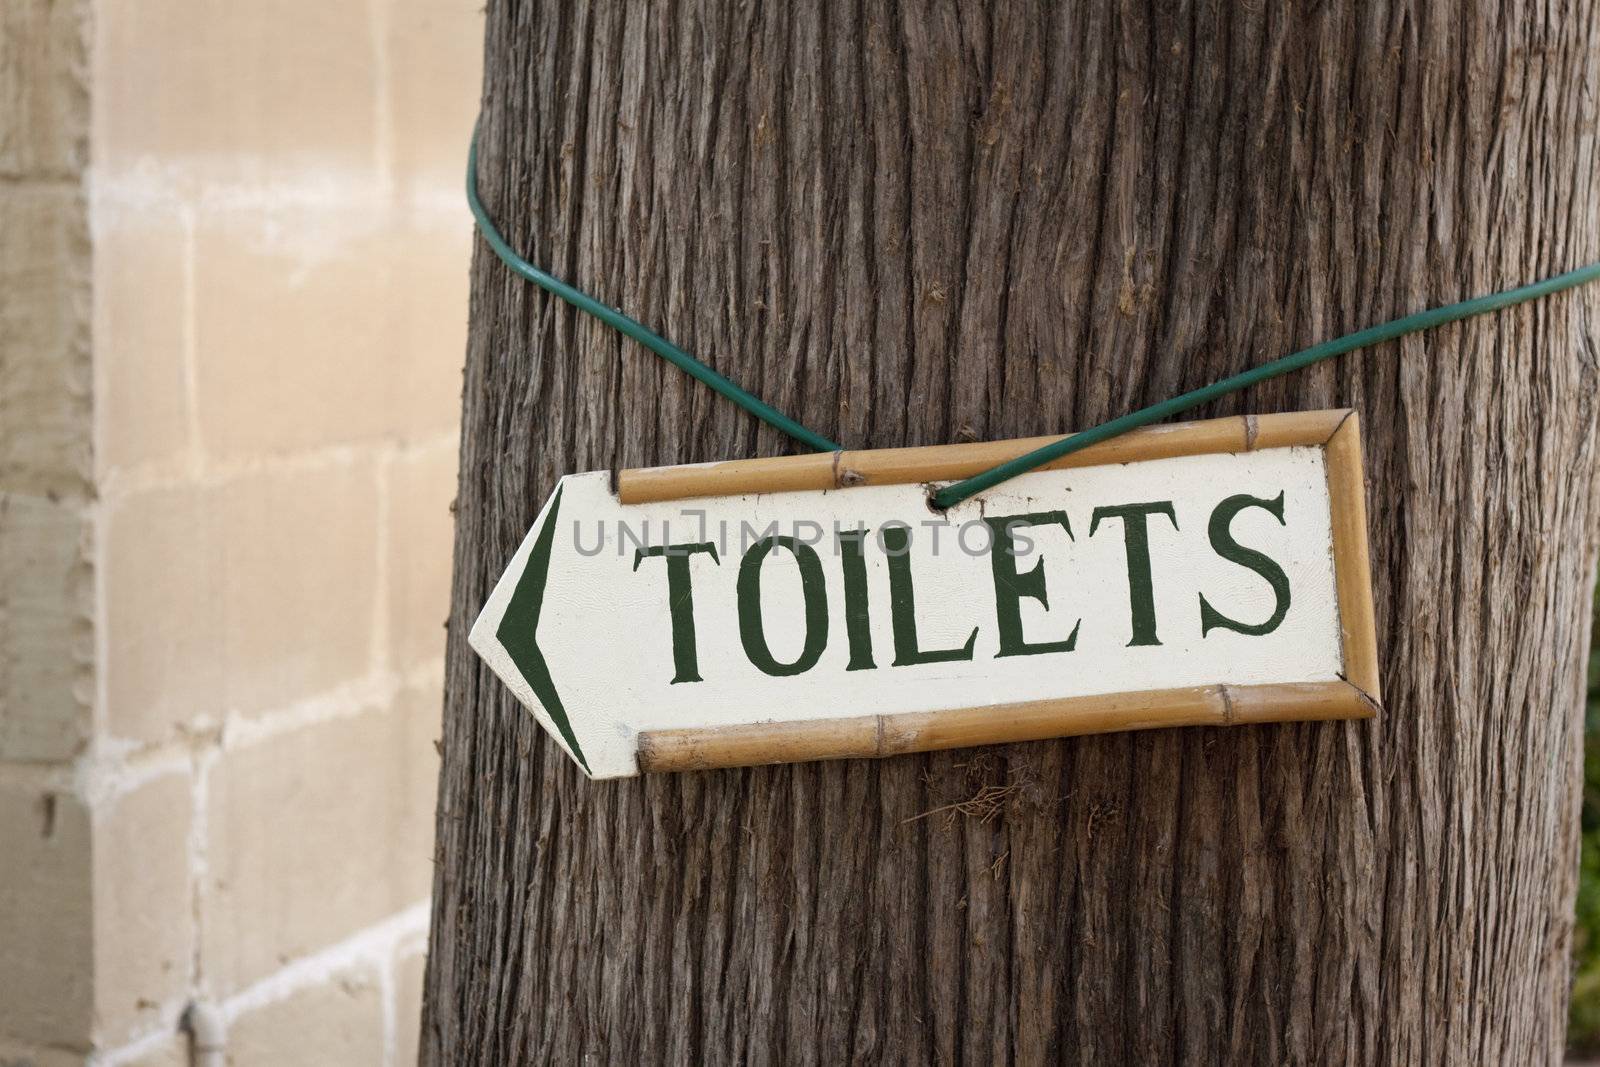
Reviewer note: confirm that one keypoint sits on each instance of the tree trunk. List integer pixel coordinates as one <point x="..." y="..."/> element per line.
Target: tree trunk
<point x="910" y="224"/>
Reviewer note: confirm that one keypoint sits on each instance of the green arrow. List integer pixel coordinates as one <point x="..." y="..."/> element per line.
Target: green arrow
<point x="518" y="632"/>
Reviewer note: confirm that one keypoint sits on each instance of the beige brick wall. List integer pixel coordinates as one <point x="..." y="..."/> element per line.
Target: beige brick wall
<point x="47" y="600"/>
<point x="46" y="918"/>
<point x="228" y="398"/>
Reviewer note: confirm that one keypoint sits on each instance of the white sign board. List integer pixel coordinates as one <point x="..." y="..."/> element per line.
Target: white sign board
<point x="814" y="607"/>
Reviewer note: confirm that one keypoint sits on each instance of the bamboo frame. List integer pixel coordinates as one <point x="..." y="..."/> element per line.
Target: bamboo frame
<point x="948" y="463"/>
<point x="1355" y="696"/>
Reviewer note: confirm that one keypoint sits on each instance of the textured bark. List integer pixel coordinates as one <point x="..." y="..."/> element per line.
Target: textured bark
<point x="910" y="224"/>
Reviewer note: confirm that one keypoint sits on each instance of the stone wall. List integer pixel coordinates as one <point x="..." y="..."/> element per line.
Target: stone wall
<point x="233" y="267"/>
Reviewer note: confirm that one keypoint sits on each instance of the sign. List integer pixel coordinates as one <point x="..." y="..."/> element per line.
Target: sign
<point x="814" y="607"/>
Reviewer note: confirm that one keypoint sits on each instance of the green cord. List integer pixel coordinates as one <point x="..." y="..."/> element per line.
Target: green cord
<point x="617" y="320"/>
<point x="955" y="493"/>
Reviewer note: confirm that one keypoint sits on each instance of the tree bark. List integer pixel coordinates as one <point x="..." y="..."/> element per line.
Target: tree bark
<point x="917" y="223"/>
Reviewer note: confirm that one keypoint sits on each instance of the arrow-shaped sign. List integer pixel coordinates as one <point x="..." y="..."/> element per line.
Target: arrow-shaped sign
<point x="813" y="607"/>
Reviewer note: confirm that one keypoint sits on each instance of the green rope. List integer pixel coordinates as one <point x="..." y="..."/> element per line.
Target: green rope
<point x="617" y="320"/>
<point x="953" y="494"/>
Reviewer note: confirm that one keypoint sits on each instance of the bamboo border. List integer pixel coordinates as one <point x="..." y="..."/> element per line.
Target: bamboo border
<point x="1356" y="696"/>
<point x="948" y="463"/>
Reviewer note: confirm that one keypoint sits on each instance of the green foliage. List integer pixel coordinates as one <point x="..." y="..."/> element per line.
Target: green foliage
<point x="1583" y="1013"/>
